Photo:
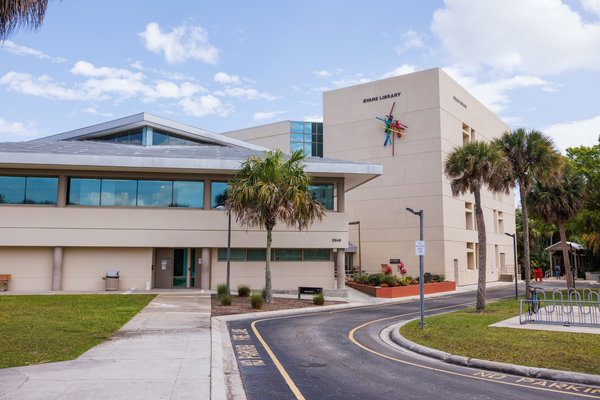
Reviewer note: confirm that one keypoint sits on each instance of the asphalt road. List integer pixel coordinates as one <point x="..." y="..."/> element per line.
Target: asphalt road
<point x="339" y="355"/>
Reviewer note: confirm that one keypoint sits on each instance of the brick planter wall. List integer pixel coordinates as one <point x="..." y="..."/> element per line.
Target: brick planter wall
<point x="403" y="291"/>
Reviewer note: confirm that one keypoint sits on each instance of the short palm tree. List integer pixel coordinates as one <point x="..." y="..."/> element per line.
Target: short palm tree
<point x="557" y="204"/>
<point x="269" y="189"/>
<point x="17" y="13"/>
<point x="532" y="157"/>
<point x="471" y="168"/>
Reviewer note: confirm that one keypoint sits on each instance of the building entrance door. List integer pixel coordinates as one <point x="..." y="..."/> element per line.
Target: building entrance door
<point x="172" y="268"/>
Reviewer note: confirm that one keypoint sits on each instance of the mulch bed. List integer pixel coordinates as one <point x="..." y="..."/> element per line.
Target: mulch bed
<point x="241" y="305"/>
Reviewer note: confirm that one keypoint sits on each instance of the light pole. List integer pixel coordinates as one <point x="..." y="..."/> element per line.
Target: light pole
<point x="421" y="283"/>
<point x="222" y="207"/>
<point x="359" y="249"/>
<point x="514" y="236"/>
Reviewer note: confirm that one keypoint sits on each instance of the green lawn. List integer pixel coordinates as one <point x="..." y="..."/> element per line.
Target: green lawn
<point x="466" y="333"/>
<point x="38" y="329"/>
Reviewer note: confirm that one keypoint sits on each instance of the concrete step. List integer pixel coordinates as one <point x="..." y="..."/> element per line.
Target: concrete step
<point x="506" y="278"/>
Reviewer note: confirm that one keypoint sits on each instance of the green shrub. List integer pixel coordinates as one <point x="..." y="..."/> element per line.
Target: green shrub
<point x="222" y="290"/>
<point x="374" y="280"/>
<point x="441" y="278"/>
<point x="319" y="300"/>
<point x="256" y="300"/>
<point x="389" y="280"/>
<point x="404" y="281"/>
<point x="226" y="300"/>
<point x="360" y="279"/>
<point x="243" y="290"/>
<point x="409" y="278"/>
<point x="263" y="293"/>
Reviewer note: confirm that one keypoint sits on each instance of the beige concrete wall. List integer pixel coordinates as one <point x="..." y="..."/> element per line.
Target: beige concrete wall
<point x="83" y="268"/>
<point x="30" y="267"/>
<point x="285" y="275"/>
<point x="274" y="136"/>
<point x="414" y="177"/>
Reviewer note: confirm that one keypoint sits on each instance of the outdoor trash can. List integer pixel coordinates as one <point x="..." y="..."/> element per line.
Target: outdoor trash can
<point x="112" y="280"/>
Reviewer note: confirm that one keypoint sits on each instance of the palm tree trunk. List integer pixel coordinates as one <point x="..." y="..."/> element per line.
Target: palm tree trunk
<point x="565" y="251"/>
<point x="268" y="284"/>
<point x="480" y="306"/>
<point x="526" y="264"/>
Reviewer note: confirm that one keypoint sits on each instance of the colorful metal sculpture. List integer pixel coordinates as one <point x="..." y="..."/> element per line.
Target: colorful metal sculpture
<point x="392" y="128"/>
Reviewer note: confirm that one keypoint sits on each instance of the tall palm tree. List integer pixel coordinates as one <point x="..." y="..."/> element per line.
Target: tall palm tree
<point x="471" y="168"/>
<point x="533" y="158"/>
<point x="20" y="13"/>
<point x="269" y="189"/>
<point x="557" y="204"/>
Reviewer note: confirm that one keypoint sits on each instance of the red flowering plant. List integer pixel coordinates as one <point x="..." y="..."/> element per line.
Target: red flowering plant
<point x="401" y="268"/>
<point x="387" y="271"/>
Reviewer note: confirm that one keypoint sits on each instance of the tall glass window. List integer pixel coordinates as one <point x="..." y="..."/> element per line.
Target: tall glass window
<point x="84" y="192"/>
<point x="188" y="194"/>
<point x="118" y="193"/>
<point x="155" y="193"/>
<point x="323" y="194"/>
<point x="12" y="189"/>
<point x="308" y="137"/>
<point x="218" y="193"/>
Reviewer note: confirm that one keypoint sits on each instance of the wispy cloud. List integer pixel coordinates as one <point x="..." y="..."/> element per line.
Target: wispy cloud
<point x="410" y="39"/>
<point x="16" y="129"/>
<point x="26" y="51"/>
<point x="405" y="69"/>
<point x="226" y="79"/>
<point x="248" y="94"/>
<point x="322" y="74"/>
<point x="581" y="133"/>
<point x="261" y="116"/>
<point x="92" y="110"/>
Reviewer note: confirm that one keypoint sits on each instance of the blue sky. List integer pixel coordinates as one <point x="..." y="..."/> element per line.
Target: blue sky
<point x="225" y="66"/>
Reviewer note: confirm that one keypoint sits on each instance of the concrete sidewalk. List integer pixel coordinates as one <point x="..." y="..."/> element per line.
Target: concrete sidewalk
<point x="163" y="352"/>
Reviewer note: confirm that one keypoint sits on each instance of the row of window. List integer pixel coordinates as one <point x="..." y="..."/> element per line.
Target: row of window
<point x="150" y="137"/>
<point x="308" y="137"/>
<point x="125" y="193"/>
<point x="276" y="255"/>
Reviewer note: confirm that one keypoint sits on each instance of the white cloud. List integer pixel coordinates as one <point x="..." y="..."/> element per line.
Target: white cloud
<point x="405" y="69"/>
<point x="321" y="89"/>
<point x="16" y="129"/>
<point x="261" y="116"/>
<point x="43" y="86"/>
<point x="22" y="51"/>
<point x="574" y="134"/>
<point x="249" y="94"/>
<point x="345" y="82"/>
<point x="296" y="88"/>
<point x="87" y="69"/>
<point x="591" y="6"/>
<point x="322" y="74"/>
<point x="512" y="121"/>
<point x="314" y="118"/>
<point x="181" y="44"/>
<point x="199" y="108"/>
<point x="223" y="78"/>
<point x="530" y="36"/>
<point x="493" y="94"/>
<point x="92" y="110"/>
<point x="410" y="40"/>
<point x="138" y="65"/>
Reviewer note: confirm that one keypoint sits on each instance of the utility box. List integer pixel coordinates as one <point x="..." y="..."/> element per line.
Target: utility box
<point x="111" y="280"/>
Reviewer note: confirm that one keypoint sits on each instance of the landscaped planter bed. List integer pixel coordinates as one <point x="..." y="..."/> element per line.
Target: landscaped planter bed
<point x="403" y="291"/>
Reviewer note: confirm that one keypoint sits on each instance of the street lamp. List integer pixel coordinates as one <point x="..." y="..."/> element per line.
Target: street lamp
<point x="359" y="249"/>
<point x="222" y="207"/>
<point x="421" y="283"/>
<point x="514" y="236"/>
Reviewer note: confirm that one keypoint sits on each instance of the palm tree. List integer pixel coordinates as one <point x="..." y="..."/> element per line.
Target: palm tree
<point x="557" y="204"/>
<point x="269" y="189"/>
<point x="20" y="13"/>
<point x="471" y="168"/>
<point x="533" y="158"/>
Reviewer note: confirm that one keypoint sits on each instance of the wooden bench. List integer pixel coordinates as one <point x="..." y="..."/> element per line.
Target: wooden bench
<point x="4" y="280"/>
<point x="309" y="290"/>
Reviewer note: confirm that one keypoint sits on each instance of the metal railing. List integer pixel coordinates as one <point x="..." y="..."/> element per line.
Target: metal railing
<point x="580" y="309"/>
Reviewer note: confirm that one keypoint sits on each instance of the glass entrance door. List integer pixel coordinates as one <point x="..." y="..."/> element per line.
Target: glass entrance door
<point x="180" y="267"/>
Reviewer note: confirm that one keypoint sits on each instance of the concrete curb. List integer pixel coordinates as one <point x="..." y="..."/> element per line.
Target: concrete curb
<point x="530" y="372"/>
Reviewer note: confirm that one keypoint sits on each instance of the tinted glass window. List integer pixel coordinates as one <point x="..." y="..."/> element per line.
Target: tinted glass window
<point x="317" y="255"/>
<point x="297" y="137"/>
<point x="155" y="193"/>
<point x="308" y="149"/>
<point x="118" y="193"/>
<point x="308" y="127"/>
<point x="159" y="138"/>
<point x="12" y="189"/>
<point x="236" y="255"/>
<point x="41" y="190"/>
<point x="257" y="254"/>
<point x="288" y="254"/>
<point x="296" y="146"/>
<point x="176" y="141"/>
<point x="188" y="194"/>
<point x="218" y="193"/>
<point x="323" y="194"/>
<point x="84" y="192"/>
<point x="135" y="136"/>
<point x="297" y="127"/>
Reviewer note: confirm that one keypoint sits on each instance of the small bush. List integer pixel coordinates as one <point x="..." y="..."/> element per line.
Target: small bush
<point x="226" y="300"/>
<point x="374" y="280"/>
<point x="410" y="278"/>
<point x="441" y="278"/>
<point x="404" y="282"/>
<point x="263" y="293"/>
<point x="256" y="300"/>
<point x="360" y="279"/>
<point x="243" y="291"/>
<point x="388" y="280"/>
<point x="319" y="300"/>
<point x="222" y="290"/>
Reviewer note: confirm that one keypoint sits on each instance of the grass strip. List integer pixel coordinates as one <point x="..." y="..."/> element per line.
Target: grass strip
<point x="47" y="328"/>
<point x="467" y="333"/>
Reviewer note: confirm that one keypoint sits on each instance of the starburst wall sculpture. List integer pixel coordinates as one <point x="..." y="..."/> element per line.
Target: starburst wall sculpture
<point x="392" y="128"/>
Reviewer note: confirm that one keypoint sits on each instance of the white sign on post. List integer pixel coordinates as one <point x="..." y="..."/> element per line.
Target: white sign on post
<point x="420" y="247"/>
